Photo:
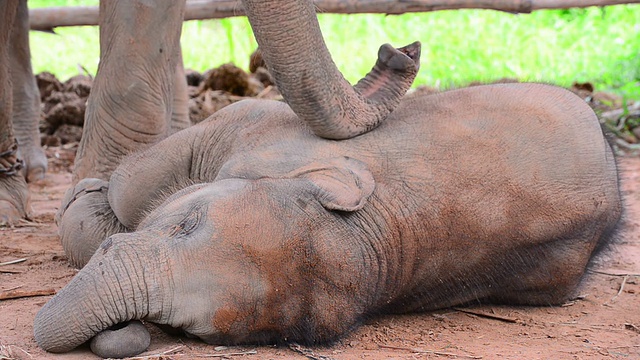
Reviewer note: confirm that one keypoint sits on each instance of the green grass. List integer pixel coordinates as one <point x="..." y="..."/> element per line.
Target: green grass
<point x="560" y="46"/>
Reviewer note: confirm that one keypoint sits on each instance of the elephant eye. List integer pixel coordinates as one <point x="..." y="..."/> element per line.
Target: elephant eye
<point x="188" y="224"/>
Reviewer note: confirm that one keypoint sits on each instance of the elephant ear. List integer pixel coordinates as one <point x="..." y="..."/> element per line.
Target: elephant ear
<point x="340" y="183"/>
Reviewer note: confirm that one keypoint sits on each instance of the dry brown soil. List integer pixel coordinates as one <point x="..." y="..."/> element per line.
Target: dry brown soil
<point x="604" y="322"/>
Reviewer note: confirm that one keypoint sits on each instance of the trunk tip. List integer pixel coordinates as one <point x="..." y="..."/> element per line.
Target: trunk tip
<point x="405" y="59"/>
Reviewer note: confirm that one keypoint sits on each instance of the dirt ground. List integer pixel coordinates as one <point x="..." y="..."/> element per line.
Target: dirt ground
<point x="603" y="322"/>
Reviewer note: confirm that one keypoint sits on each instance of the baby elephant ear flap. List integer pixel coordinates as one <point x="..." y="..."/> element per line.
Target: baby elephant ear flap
<point x="340" y="183"/>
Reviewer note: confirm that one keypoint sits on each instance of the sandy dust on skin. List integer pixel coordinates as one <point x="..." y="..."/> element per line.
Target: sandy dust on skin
<point x="603" y="323"/>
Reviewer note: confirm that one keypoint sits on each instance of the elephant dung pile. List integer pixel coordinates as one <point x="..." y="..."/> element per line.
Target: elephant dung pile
<point x="64" y="103"/>
<point x="219" y="87"/>
<point x="63" y="107"/>
<point x="620" y="117"/>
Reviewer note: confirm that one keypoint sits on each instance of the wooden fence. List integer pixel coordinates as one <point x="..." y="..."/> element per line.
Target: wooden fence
<point x="46" y="19"/>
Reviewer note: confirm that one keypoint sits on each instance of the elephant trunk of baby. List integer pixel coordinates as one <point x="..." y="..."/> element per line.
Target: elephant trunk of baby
<point x="289" y="37"/>
<point x="117" y="285"/>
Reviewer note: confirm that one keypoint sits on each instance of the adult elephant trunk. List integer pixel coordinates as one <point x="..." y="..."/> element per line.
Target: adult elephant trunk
<point x="115" y="286"/>
<point x="289" y="37"/>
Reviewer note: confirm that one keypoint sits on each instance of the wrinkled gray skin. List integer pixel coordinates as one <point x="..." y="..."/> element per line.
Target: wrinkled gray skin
<point x="19" y="115"/>
<point x="134" y="98"/>
<point x="498" y="194"/>
<point x="249" y="228"/>
<point x="130" y="106"/>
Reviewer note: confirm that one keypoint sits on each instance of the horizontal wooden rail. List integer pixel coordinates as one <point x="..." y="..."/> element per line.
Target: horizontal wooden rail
<point x="46" y="19"/>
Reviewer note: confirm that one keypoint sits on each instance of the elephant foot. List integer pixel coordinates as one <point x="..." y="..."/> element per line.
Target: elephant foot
<point x="85" y="220"/>
<point x="35" y="162"/>
<point x="121" y="340"/>
<point x="14" y="199"/>
<point x="26" y="114"/>
<point x="14" y="194"/>
<point x="392" y="75"/>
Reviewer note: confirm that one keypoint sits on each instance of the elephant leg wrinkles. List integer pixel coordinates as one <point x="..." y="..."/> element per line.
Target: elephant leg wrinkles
<point x="130" y="107"/>
<point x="26" y="98"/>
<point x="14" y="195"/>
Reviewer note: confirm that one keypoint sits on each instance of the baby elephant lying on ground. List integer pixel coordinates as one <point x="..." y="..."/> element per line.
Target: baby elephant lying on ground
<point x="247" y="228"/>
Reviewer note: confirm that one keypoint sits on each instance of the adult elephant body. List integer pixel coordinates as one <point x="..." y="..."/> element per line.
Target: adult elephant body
<point x="250" y="228"/>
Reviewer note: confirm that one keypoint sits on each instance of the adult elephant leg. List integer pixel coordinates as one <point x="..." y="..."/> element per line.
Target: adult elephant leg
<point x="130" y="105"/>
<point x="295" y="53"/>
<point x="26" y="97"/>
<point x="14" y="195"/>
<point x="180" y="111"/>
<point x="129" y="109"/>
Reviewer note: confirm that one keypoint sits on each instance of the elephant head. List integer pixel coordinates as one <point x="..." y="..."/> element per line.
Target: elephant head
<point x="229" y="262"/>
